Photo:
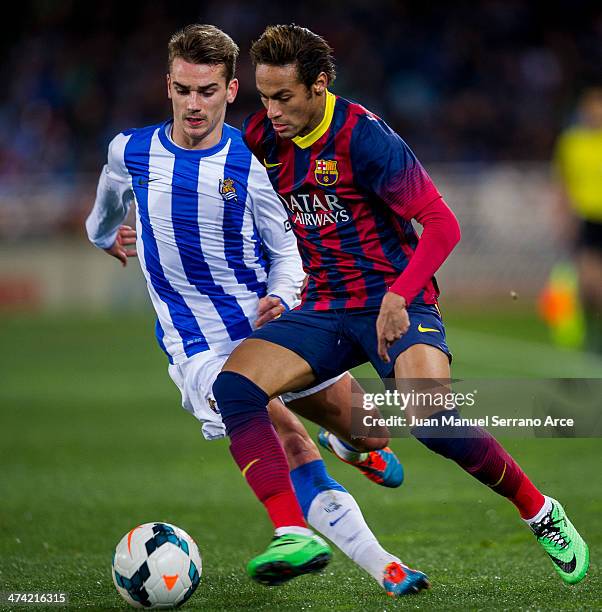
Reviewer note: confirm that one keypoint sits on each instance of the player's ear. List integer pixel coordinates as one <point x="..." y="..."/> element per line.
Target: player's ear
<point x="232" y="91"/>
<point x="320" y="84"/>
<point x="168" y="81"/>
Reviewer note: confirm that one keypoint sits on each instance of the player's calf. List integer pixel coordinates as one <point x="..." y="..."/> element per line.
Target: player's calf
<point x="298" y="445"/>
<point x="482" y="456"/>
<point x="476" y="451"/>
<point x="259" y="455"/>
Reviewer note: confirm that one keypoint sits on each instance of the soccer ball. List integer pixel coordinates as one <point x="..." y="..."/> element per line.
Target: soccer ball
<point x="156" y="565"/>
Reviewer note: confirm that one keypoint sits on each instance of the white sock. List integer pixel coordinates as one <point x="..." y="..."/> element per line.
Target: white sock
<point x="547" y="506"/>
<point x="293" y="529"/>
<point x="342" y="451"/>
<point x="336" y="515"/>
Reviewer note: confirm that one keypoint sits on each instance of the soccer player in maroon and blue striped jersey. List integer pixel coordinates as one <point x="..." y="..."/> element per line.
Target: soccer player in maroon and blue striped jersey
<point x="351" y="187"/>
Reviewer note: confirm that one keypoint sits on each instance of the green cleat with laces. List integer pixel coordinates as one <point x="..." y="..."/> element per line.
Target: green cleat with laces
<point x="563" y="544"/>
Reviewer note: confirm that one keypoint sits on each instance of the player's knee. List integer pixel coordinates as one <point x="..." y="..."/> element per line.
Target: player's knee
<point x="236" y="396"/>
<point x="367" y="445"/>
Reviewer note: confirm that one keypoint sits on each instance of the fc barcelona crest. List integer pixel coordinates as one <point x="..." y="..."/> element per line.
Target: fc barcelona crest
<point x="326" y="172"/>
<point x="227" y="189"/>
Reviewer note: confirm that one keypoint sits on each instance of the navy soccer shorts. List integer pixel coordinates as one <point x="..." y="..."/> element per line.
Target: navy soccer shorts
<point x="334" y="341"/>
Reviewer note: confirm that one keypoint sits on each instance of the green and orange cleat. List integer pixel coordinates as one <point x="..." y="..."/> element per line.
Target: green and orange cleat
<point x="380" y="466"/>
<point x="289" y="556"/>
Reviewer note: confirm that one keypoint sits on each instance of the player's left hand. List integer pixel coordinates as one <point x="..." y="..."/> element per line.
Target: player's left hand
<point x="270" y="307"/>
<point x="393" y="321"/>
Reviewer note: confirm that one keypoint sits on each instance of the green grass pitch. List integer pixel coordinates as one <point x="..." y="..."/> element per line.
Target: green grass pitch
<point x="94" y="442"/>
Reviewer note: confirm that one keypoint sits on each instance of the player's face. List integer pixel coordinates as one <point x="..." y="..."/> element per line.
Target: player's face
<point x="199" y="95"/>
<point x="293" y="109"/>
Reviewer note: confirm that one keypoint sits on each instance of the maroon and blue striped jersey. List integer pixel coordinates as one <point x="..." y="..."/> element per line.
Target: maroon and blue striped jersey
<point x="350" y="188"/>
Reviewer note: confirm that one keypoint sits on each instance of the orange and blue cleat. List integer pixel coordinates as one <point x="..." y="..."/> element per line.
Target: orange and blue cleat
<point x="380" y="466"/>
<point x="399" y="580"/>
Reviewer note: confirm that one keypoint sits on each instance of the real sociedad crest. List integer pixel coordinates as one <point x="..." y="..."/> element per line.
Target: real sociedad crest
<point x="213" y="405"/>
<point x="326" y="172"/>
<point x="227" y="189"/>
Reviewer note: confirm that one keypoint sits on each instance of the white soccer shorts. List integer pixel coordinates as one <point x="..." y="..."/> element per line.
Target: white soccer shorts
<point x="195" y="377"/>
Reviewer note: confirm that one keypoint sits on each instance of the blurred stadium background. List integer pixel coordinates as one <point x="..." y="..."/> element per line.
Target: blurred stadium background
<point x="480" y="91"/>
<point x="91" y="429"/>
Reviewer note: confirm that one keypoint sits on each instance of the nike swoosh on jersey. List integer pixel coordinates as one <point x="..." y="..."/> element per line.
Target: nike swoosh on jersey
<point x="268" y="165"/>
<point x="142" y="181"/>
<point x="565" y="566"/>
<point x="426" y="329"/>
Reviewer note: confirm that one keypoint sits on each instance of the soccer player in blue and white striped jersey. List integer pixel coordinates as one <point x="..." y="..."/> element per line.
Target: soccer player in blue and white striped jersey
<point x="219" y="260"/>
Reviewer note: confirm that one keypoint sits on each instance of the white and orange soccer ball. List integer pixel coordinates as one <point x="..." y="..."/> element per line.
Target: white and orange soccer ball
<point x="156" y="565"/>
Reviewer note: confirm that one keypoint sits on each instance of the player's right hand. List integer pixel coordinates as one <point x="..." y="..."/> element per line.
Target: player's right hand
<point x="126" y="236"/>
<point x="269" y="308"/>
<point x="392" y="322"/>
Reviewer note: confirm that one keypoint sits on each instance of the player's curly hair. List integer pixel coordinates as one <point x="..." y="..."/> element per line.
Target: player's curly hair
<point x="280" y="45"/>
<point x="203" y="44"/>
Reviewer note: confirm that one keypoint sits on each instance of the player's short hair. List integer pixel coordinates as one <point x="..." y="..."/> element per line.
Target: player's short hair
<point x="203" y="44"/>
<point x="281" y="45"/>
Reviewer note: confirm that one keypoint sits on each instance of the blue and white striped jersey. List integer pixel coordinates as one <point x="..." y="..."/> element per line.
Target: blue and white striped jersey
<point x="212" y="237"/>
